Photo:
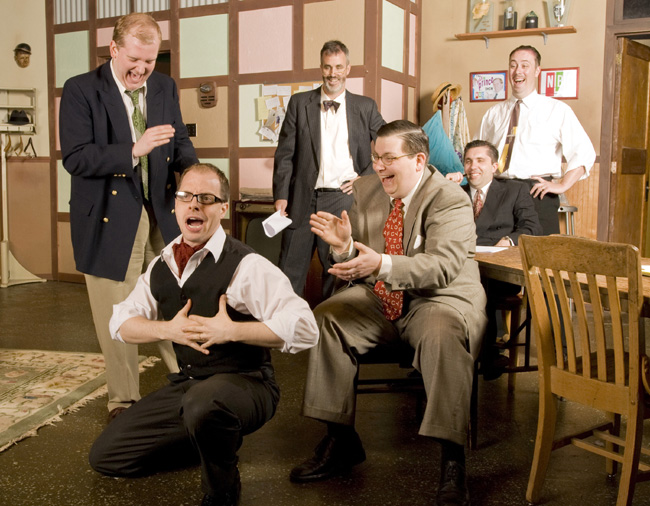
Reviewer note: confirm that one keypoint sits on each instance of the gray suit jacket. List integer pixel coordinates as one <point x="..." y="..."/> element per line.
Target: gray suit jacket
<point x="297" y="157"/>
<point x="439" y="244"/>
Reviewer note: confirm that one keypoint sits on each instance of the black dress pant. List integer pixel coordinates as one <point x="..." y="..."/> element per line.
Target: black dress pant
<point x="299" y="242"/>
<point x="546" y="209"/>
<point x="186" y="422"/>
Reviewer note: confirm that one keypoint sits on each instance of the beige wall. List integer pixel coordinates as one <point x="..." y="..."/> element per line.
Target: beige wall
<point x="445" y="58"/>
<point x="26" y="23"/>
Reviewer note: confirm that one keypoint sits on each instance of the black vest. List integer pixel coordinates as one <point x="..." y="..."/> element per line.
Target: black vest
<point x="206" y="284"/>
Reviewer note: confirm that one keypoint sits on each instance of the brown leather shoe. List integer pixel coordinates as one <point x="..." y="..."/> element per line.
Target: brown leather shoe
<point x="114" y="412"/>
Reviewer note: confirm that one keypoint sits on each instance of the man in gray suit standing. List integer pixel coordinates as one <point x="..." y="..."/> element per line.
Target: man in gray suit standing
<point x="324" y="146"/>
<point x="406" y="249"/>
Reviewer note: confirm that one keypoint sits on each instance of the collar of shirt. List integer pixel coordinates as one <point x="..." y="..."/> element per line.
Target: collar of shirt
<point x="214" y="246"/>
<point x="484" y="189"/>
<point x="340" y="99"/>
<point x="122" y="88"/>
<point x="406" y="201"/>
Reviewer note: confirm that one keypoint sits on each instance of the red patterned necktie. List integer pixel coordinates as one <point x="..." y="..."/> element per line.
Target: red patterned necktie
<point x="478" y="203"/>
<point x="392" y="302"/>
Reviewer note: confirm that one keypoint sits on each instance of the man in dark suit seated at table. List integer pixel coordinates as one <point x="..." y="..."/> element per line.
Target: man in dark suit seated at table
<point x="503" y="210"/>
<point x="406" y="249"/>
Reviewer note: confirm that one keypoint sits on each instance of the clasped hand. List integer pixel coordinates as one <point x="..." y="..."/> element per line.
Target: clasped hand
<point x="337" y="232"/>
<point x="199" y="332"/>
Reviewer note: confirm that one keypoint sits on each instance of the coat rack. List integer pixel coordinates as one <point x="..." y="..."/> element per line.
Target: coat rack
<point x="11" y="271"/>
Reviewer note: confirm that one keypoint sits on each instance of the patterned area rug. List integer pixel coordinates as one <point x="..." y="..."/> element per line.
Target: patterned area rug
<point x="36" y="387"/>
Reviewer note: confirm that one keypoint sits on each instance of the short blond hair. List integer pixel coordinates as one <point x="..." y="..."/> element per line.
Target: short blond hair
<point x="139" y="24"/>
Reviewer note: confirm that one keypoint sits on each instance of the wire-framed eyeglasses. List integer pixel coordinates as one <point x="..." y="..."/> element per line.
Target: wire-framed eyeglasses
<point x="387" y="160"/>
<point x="206" y="199"/>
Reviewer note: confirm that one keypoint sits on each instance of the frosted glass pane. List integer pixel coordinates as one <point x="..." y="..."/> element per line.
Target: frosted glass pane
<point x="392" y="37"/>
<point x="204" y="46"/>
<point x="70" y="55"/>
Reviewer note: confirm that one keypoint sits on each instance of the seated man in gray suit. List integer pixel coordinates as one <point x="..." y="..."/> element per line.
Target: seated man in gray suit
<point x="503" y="210"/>
<point x="406" y="249"/>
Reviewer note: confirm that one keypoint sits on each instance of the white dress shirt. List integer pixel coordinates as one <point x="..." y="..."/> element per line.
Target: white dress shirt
<point x="336" y="165"/>
<point x="547" y="130"/>
<point x="258" y="288"/>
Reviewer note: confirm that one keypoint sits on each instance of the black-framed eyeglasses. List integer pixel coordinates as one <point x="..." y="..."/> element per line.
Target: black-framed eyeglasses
<point x="387" y="160"/>
<point x="206" y="199"/>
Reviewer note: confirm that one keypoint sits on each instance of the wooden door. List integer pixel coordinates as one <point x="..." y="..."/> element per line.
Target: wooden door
<point x="631" y="156"/>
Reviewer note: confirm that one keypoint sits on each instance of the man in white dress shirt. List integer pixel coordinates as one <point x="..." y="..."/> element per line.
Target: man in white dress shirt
<point x="223" y="307"/>
<point x="546" y="131"/>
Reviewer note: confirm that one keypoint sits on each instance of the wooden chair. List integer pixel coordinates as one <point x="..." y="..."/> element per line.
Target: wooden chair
<point x="600" y="368"/>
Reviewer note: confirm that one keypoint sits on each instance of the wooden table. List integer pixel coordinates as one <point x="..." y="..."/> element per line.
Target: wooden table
<point x="505" y="265"/>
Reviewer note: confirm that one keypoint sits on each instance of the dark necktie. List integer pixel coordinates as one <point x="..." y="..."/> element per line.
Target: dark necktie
<point x="478" y="203"/>
<point x="330" y="103"/>
<point x="392" y="302"/>
<point x="504" y="161"/>
<point x="182" y="254"/>
<point x="140" y="125"/>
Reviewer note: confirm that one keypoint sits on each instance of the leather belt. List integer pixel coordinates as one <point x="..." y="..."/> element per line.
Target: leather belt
<point x="319" y="190"/>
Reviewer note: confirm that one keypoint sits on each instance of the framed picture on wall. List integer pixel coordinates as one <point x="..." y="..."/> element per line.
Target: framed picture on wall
<point x="559" y="83"/>
<point x="488" y="86"/>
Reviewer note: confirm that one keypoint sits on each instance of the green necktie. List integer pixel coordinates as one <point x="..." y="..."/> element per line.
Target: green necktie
<point x="140" y="125"/>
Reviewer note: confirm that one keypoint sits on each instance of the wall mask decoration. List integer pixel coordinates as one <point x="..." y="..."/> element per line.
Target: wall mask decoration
<point x="22" y="52"/>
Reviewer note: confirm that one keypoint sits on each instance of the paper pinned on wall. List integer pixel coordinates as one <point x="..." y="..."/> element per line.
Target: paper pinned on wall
<point x="284" y="90"/>
<point x="261" y="111"/>
<point x="269" y="89"/>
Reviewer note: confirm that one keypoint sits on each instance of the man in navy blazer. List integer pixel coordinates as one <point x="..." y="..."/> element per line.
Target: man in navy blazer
<point x="116" y="147"/>
<point x="324" y="147"/>
<point x="503" y="210"/>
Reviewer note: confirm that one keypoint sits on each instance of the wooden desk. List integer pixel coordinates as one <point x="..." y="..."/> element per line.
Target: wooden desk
<point x="506" y="266"/>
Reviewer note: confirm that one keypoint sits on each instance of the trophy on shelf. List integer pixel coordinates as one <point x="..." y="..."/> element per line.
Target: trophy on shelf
<point x="480" y="16"/>
<point x="558" y="12"/>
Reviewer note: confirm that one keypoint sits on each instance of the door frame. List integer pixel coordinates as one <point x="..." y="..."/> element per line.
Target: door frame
<point x="616" y="27"/>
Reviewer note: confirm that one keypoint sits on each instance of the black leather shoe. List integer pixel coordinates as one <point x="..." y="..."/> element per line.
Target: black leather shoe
<point x="453" y="489"/>
<point x="495" y="366"/>
<point x="332" y="457"/>
<point x="230" y="499"/>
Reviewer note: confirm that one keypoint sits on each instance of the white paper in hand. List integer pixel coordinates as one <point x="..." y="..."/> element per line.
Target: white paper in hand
<point x="275" y="223"/>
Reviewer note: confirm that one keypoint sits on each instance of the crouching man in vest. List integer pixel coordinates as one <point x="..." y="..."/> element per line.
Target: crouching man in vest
<point x="224" y="307"/>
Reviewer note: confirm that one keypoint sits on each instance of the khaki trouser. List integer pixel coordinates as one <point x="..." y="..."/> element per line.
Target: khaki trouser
<point x="122" y="376"/>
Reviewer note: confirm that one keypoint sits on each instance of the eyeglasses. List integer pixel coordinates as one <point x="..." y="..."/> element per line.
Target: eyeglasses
<point x="387" y="160"/>
<point x="206" y="199"/>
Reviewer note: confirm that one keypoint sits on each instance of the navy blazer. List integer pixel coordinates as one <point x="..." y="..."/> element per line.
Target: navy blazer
<point x="297" y="157"/>
<point x="508" y="210"/>
<point x="105" y="200"/>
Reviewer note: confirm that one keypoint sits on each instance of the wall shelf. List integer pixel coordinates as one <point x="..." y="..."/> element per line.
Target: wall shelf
<point x="544" y="32"/>
<point x="17" y="98"/>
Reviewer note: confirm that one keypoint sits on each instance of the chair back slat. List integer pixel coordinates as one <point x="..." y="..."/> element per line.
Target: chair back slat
<point x="583" y="325"/>
<point x="618" y="343"/>
<point x="598" y="313"/>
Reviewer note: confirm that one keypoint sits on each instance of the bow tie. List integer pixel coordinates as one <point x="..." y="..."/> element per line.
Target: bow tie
<point x="331" y="103"/>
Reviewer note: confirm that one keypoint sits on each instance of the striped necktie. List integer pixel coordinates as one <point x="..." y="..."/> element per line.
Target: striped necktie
<point x="504" y="161"/>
